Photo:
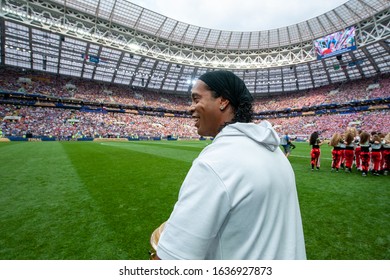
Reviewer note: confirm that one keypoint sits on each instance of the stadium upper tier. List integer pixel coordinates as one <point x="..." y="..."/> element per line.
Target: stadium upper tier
<point x="119" y="42"/>
<point x="130" y="15"/>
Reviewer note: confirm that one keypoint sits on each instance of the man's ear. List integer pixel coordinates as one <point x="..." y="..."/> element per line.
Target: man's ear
<point x="224" y="102"/>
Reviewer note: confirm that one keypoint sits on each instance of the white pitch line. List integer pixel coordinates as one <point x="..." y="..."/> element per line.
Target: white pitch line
<point x="291" y="155"/>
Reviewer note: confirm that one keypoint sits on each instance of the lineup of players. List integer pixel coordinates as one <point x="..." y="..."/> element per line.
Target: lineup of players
<point x="368" y="152"/>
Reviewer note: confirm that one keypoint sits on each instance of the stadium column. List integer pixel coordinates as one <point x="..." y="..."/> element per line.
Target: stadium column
<point x="2" y="42"/>
<point x="193" y="75"/>
<point x="343" y="66"/>
<point x="358" y="66"/>
<point x="268" y="88"/>
<point x="62" y="39"/>
<point x="85" y="61"/>
<point x="326" y="71"/>
<point x="31" y="47"/>
<point x="370" y="58"/>
<point x="296" y="77"/>
<point x="136" y="70"/>
<point x="180" y="74"/>
<point x="117" y="66"/>
<point x="311" y="75"/>
<point x="98" y="55"/>
<point x="256" y="74"/>
<point x="151" y="73"/>
<point x="165" y="76"/>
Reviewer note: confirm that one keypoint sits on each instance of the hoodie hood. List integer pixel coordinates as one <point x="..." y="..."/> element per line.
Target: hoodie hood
<point x="262" y="133"/>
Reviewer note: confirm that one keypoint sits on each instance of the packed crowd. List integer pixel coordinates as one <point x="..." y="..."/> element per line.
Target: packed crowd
<point x="332" y="94"/>
<point x="68" y="124"/>
<point x="328" y="124"/>
<point x="63" y="123"/>
<point x="65" y="87"/>
<point x="46" y="121"/>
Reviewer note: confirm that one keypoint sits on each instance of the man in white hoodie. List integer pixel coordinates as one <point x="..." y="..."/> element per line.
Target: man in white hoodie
<point x="239" y="199"/>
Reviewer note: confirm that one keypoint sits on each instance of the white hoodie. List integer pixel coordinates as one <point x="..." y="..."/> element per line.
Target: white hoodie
<point x="238" y="201"/>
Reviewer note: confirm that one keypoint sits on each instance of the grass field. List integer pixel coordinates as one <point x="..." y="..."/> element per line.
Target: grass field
<point x="88" y="200"/>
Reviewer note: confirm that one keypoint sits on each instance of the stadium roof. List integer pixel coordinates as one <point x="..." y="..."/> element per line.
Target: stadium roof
<point x="119" y="42"/>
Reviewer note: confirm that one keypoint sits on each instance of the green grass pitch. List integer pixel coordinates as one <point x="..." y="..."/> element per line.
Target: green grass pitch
<point x="102" y="201"/>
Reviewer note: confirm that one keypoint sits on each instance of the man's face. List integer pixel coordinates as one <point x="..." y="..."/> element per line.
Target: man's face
<point x="206" y="110"/>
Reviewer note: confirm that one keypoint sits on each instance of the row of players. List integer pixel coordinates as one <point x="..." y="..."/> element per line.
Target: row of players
<point x="369" y="152"/>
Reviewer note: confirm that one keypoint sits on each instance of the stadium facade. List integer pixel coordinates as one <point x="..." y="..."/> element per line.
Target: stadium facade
<point x="118" y="42"/>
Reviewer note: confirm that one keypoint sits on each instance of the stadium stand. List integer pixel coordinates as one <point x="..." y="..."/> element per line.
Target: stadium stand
<point x="43" y="105"/>
<point x="66" y="80"/>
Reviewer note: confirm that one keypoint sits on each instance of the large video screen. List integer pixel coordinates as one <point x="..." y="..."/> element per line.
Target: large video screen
<point x="336" y="43"/>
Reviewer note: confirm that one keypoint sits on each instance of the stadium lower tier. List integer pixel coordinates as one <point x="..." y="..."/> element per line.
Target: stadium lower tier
<point x="65" y="124"/>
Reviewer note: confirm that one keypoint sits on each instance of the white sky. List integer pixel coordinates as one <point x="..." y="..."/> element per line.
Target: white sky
<point x="240" y="15"/>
